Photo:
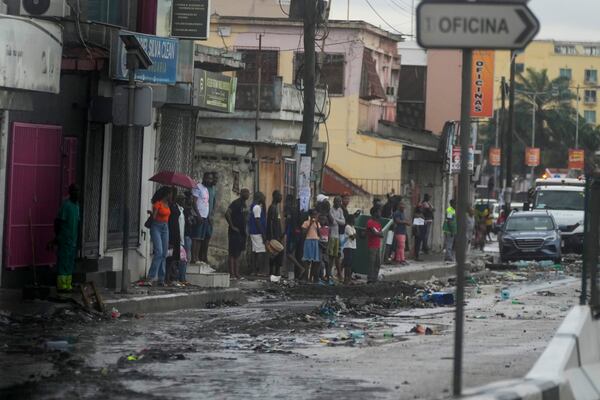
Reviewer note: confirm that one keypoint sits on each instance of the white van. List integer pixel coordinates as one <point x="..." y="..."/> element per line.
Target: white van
<point x="564" y="198"/>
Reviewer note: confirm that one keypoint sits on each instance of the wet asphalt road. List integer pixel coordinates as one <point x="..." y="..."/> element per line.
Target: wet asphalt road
<point x="285" y="350"/>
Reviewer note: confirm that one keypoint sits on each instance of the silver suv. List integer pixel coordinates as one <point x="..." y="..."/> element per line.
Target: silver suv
<point x="530" y="235"/>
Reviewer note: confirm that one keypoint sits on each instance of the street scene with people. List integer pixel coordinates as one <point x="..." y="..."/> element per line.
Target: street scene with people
<point x="299" y="199"/>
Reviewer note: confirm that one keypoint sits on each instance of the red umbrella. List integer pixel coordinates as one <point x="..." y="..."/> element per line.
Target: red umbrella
<point x="171" y="178"/>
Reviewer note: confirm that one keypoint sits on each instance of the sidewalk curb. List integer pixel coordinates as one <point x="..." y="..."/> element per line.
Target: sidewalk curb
<point x="418" y="272"/>
<point x="175" y="301"/>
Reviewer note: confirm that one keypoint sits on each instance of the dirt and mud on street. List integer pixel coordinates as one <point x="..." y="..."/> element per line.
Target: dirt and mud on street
<point x="391" y="340"/>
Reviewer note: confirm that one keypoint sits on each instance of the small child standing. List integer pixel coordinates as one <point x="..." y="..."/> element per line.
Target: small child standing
<point x="349" y="248"/>
<point x="311" y="254"/>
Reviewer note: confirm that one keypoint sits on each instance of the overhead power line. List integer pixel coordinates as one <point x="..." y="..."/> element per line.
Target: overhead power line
<point x="381" y="18"/>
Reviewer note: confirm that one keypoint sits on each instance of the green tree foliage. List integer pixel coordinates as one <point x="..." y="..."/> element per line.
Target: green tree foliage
<point x="555" y="121"/>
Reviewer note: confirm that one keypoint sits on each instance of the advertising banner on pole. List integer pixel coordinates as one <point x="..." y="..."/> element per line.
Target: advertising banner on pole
<point x="482" y="84"/>
<point x="455" y="162"/>
<point x="532" y="156"/>
<point x="494" y="156"/>
<point x="576" y="159"/>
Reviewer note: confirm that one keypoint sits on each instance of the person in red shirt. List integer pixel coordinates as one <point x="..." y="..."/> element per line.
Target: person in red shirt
<point x="374" y="236"/>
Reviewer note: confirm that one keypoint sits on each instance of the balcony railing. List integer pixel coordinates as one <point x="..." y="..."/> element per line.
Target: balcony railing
<point x="276" y="97"/>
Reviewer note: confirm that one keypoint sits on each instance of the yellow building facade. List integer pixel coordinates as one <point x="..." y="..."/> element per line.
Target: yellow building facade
<point x="579" y="61"/>
<point x="354" y="149"/>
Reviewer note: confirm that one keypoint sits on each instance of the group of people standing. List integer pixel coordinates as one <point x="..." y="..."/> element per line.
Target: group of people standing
<point x="398" y="239"/>
<point x="181" y="226"/>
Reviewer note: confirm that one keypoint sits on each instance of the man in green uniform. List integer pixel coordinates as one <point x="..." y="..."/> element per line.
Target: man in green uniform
<point x="449" y="229"/>
<point x="66" y="227"/>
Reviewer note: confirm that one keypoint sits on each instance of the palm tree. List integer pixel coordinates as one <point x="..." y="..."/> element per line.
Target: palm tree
<point x="554" y="118"/>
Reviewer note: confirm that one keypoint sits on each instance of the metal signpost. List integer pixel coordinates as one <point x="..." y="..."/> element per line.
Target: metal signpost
<point x="465" y="26"/>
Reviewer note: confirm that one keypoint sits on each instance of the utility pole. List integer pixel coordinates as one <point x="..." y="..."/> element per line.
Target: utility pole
<point x="308" y="117"/>
<point x="501" y="182"/>
<point x="257" y="121"/>
<point x="510" y="131"/>
<point x="461" y="216"/>
<point x="128" y="143"/>
<point x="348" y="11"/>
<point x="533" y="136"/>
<point x="577" y="120"/>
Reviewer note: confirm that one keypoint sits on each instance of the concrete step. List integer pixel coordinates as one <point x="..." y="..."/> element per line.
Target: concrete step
<point x="209" y="280"/>
<point x="175" y="301"/>
<point x="101" y="264"/>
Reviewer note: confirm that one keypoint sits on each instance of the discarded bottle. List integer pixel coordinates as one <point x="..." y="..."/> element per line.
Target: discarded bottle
<point x="388" y="334"/>
<point x="442" y="298"/>
<point x="357" y="334"/>
<point x="114" y="313"/>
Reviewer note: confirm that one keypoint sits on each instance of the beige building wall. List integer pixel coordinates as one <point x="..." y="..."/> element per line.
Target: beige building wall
<point x="546" y="54"/>
<point x="443" y="88"/>
<point x="250" y="8"/>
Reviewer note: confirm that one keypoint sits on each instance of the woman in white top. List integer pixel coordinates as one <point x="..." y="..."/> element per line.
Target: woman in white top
<point x="349" y="248"/>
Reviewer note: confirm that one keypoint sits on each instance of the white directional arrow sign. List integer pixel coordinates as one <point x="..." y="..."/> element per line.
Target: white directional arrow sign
<point x="481" y="25"/>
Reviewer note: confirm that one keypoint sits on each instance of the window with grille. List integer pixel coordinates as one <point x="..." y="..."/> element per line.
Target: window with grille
<point x="269" y="64"/>
<point x="519" y="68"/>
<point x="590" y="117"/>
<point x="565" y="73"/>
<point x="589" y="96"/>
<point x="289" y="184"/>
<point x="565" y="49"/>
<point x="591" y="76"/>
<point x="118" y="169"/>
<point x="330" y="71"/>
<point x="114" y="12"/>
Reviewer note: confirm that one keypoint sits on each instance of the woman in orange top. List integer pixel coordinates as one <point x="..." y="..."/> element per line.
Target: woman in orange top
<point x="159" y="233"/>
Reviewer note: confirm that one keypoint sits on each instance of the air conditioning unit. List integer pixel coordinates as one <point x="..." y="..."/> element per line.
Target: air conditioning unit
<point x="45" y="8"/>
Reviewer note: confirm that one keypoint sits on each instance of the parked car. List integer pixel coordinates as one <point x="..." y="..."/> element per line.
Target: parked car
<point x="530" y="235"/>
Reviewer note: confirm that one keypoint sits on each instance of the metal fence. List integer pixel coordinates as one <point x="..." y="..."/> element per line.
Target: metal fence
<point x="93" y="190"/>
<point x="377" y="187"/>
<point x="175" y="148"/>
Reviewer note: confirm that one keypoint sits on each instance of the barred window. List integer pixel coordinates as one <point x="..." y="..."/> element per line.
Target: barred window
<point x="269" y="65"/>
<point x="117" y="185"/>
<point x="330" y="71"/>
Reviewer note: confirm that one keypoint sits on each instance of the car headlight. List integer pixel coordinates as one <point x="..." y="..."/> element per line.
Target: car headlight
<point x="551" y="237"/>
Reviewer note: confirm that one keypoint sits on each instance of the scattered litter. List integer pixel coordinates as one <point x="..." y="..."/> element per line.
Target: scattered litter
<point x="421" y="330"/>
<point x="57" y="345"/>
<point x="505" y="294"/>
<point x="114" y="313"/>
<point x="515" y="301"/>
<point x="546" y="293"/>
<point x="480" y="317"/>
<point x="275" y="279"/>
<point x="439" y="298"/>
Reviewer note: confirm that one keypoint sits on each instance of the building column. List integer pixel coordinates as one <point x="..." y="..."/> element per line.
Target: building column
<point x="3" y="167"/>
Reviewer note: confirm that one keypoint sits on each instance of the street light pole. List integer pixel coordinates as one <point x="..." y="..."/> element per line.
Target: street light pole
<point x="534" y="104"/>
<point x="577" y="120"/>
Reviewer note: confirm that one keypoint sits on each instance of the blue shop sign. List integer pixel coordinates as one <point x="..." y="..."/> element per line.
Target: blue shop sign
<point x="163" y="53"/>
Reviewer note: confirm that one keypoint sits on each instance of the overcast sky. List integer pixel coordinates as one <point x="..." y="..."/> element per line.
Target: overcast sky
<point x="577" y="20"/>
